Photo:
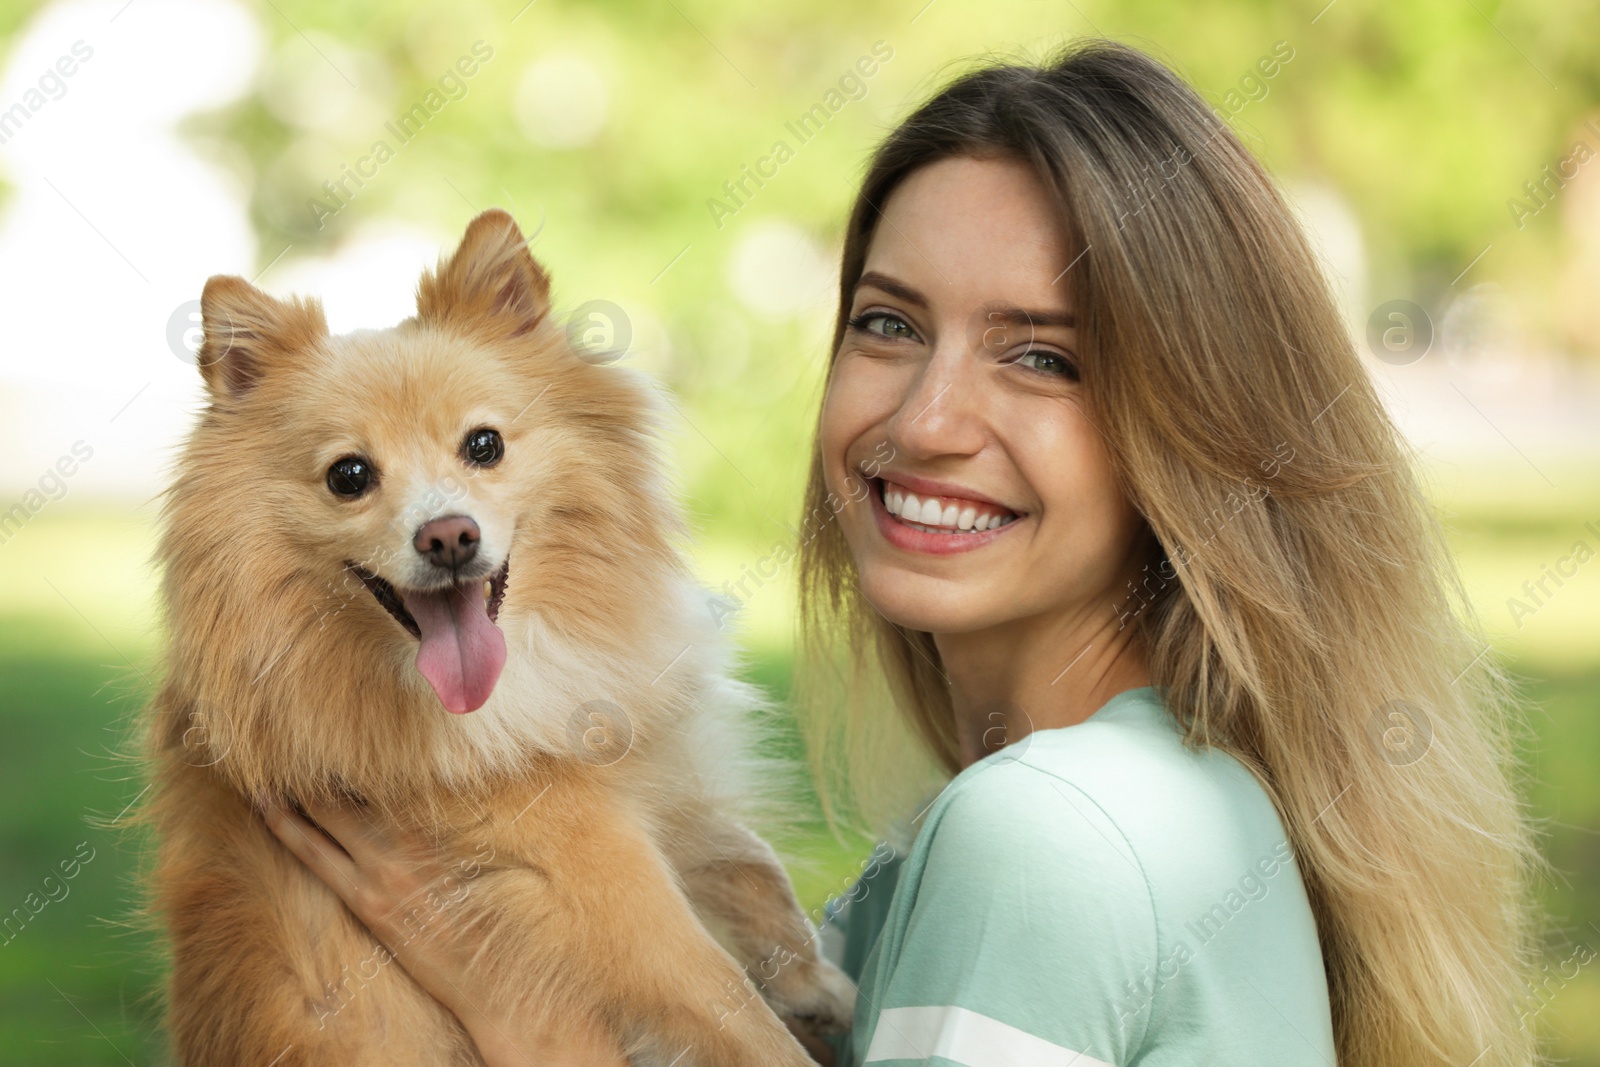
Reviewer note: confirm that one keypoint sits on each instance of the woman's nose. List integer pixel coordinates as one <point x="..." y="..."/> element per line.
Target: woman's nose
<point x="941" y="412"/>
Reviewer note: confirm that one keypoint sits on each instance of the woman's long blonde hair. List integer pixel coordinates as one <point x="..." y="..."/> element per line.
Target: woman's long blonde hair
<point x="1301" y="610"/>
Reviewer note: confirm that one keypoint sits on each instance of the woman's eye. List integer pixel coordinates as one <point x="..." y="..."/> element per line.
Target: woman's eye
<point x="892" y="326"/>
<point x="1046" y="362"/>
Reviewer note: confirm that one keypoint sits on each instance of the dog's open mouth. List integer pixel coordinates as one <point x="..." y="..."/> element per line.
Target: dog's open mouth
<point x="384" y="591"/>
<point x="461" y="650"/>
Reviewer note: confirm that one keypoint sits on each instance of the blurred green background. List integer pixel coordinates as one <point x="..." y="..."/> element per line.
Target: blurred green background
<point x="1406" y="132"/>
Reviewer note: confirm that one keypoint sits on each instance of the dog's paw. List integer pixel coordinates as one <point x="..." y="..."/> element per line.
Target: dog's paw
<point x="815" y="994"/>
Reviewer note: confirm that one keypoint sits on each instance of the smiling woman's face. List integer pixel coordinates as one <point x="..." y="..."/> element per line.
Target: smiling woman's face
<point x="997" y="503"/>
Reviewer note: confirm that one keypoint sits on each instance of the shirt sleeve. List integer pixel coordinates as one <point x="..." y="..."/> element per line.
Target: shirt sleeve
<point x="853" y="920"/>
<point x="1031" y="938"/>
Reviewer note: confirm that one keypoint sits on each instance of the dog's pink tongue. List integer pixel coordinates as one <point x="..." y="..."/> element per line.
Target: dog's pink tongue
<point x="462" y="652"/>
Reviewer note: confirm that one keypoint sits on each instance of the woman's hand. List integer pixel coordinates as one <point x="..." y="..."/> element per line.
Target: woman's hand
<point x="399" y="886"/>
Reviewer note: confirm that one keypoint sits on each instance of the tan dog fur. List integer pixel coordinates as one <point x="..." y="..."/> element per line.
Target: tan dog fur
<point x="597" y="872"/>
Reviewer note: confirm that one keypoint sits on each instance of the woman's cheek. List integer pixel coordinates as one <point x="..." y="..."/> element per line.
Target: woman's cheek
<point x="833" y="405"/>
<point x="847" y="413"/>
<point x="1063" y="459"/>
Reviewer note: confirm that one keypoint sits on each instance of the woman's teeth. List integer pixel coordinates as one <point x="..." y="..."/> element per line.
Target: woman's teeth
<point x="946" y="515"/>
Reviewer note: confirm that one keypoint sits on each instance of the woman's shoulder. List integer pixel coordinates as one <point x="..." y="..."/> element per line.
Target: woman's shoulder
<point x="1017" y="910"/>
<point x="1124" y="777"/>
<point x="1159" y="873"/>
<point x="1117" y="815"/>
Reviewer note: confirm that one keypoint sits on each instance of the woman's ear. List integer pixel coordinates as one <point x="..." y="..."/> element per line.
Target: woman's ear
<point x="246" y="333"/>
<point x="491" y="285"/>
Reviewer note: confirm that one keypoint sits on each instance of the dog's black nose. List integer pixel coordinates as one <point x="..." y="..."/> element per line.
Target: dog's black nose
<point x="447" y="542"/>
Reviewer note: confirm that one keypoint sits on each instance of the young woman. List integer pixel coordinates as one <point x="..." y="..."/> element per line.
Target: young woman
<point x="1103" y="503"/>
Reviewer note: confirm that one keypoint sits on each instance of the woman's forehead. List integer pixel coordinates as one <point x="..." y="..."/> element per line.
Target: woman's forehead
<point x="974" y="230"/>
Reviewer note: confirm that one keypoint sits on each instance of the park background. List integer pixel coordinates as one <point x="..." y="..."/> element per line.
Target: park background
<point x="1442" y="153"/>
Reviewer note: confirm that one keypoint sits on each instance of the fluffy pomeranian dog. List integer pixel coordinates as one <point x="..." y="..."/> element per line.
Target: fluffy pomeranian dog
<point x="434" y="568"/>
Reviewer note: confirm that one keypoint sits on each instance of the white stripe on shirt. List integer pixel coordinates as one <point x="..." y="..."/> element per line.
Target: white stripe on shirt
<point x="965" y="1037"/>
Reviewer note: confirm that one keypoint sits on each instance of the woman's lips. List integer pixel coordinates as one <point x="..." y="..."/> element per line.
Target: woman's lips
<point x="904" y="535"/>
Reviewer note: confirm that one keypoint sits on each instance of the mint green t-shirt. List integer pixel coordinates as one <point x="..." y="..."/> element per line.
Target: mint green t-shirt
<point x="1093" y="895"/>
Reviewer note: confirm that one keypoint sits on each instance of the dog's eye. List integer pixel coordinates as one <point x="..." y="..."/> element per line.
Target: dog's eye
<point x="350" y="477"/>
<point x="483" y="448"/>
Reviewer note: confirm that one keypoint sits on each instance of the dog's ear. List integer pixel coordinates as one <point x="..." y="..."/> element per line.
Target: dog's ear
<point x="246" y="331"/>
<point x="492" y="282"/>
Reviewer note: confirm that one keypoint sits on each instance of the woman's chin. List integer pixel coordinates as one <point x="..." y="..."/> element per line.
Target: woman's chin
<point x="932" y="605"/>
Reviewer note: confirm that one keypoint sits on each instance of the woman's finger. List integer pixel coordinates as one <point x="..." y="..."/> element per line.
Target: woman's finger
<point x="325" y="858"/>
<point x="356" y="834"/>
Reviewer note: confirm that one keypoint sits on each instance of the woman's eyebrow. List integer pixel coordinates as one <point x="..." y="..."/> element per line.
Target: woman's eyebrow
<point x="879" y="280"/>
<point x="996" y="313"/>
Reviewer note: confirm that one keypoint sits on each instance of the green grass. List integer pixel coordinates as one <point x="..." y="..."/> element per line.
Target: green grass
<point x="76" y="984"/>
